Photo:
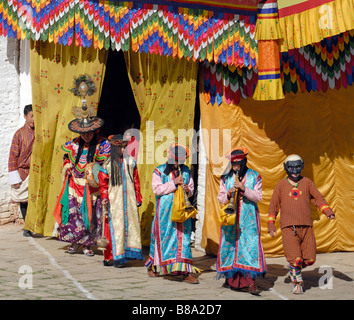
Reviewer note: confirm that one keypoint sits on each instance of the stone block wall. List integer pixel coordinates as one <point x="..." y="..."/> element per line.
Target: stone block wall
<point x="12" y="102"/>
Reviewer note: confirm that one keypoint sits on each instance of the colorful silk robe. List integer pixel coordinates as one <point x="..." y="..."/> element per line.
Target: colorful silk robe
<point x="123" y="224"/>
<point x="240" y="247"/>
<point x="170" y="248"/>
<point x="79" y="211"/>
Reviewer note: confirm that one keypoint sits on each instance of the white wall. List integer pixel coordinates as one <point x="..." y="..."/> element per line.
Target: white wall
<point x="15" y="93"/>
<point x="202" y="161"/>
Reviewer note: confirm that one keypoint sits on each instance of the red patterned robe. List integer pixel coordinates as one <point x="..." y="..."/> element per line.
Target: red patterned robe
<point x="79" y="210"/>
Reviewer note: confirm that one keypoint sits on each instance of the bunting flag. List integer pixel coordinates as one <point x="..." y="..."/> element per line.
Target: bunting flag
<point x="328" y="64"/>
<point x="166" y="28"/>
<point x="244" y="7"/>
<point x="304" y="22"/>
<point x="222" y="83"/>
<point x="322" y="66"/>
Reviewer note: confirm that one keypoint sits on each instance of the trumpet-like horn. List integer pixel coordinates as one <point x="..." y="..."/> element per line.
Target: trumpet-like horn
<point x="231" y="207"/>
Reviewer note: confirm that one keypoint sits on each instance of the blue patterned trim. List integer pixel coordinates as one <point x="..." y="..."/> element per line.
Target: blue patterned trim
<point x="230" y="273"/>
<point x="126" y="256"/>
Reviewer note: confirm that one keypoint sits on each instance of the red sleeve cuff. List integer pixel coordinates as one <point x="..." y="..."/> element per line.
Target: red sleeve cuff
<point x="326" y="209"/>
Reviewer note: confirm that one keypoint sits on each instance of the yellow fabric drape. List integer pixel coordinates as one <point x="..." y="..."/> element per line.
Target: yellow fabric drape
<point x="307" y="26"/>
<point x="165" y="94"/>
<point x="319" y="127"/>
<point x="53" y="68"/>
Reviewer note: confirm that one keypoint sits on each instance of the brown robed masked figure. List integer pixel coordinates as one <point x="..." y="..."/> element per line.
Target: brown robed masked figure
<point x="293" y="196"/>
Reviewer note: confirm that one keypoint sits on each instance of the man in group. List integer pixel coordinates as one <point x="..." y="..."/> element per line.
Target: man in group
<point x="19" y="163"/>
<point x="122" y="227"/>
<point x="240" y="258"/>
<point x="293" y="196"/>
<point x="170" y="247"/>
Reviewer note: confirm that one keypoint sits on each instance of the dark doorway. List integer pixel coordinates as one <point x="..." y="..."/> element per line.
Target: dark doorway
<point x="117" y="104"/>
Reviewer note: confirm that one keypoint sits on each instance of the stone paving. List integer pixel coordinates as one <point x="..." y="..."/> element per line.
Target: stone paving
<point x="38" y="268"/>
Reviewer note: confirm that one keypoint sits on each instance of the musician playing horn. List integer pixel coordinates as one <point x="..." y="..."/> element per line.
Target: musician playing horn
<point x="170" y="247"/>
<point x="240" y="258"/>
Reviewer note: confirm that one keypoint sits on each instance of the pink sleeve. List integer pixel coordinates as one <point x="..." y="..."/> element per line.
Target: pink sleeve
<point x="254" y="195"/>
<point x="222" y="196"/>
<point x="160" y="188"/>
<point x="190" y="187"/>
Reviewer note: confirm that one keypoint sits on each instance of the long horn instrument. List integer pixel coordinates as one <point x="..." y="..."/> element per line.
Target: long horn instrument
<point x="231" y="207"/>
<point x="189" y="207"/>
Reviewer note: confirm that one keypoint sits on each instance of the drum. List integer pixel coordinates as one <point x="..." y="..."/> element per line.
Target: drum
<point x="91" y="174"/>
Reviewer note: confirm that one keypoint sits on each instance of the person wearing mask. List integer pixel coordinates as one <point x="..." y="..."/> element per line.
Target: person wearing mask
<point x="293" y="195"/>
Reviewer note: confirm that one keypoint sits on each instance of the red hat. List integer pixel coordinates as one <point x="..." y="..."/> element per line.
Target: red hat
<point x="237" y="154"/>
<point x="178" y="152"/>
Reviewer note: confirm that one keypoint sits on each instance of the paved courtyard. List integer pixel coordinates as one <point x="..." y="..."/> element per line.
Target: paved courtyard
<point x="38" y="268"/>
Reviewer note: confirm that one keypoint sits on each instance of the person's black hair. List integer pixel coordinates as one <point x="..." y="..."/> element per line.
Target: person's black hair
<point x="27" y="109"/>
<point x="243" y="166"/>
<point x="91" y="150"/>
<point x="169" y="168"/>
<point x="242" y="163"/>
<point x="116" y="154"/>
<point x="176" y="151"/>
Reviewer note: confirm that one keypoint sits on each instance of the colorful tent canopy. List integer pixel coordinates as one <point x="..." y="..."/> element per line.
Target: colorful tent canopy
<point x="245" y="7"/>
<point x="328" y="64"/>
<point x="237" y="34"/>
<point x="159" y="27"/>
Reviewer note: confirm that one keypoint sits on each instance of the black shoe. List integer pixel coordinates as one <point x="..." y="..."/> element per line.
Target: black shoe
<point x="108" y="263"/>
<point x="27" y="233"/>
<point x="120" y="265"/>
<point x="254" y="290"/>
